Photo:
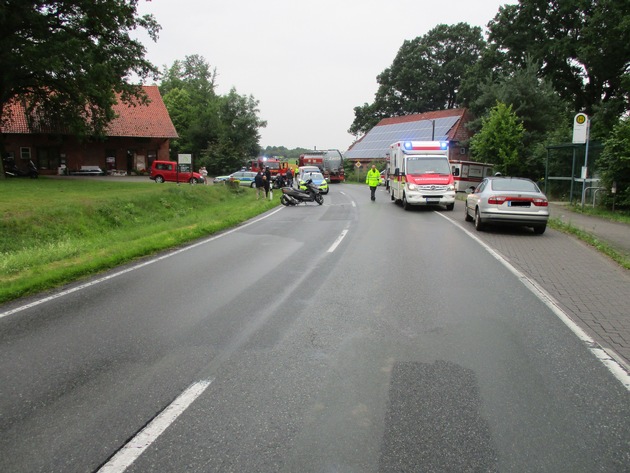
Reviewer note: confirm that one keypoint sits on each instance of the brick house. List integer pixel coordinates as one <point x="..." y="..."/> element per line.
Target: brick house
<point x="440" y="125"/>
<point x="134" y="139"/>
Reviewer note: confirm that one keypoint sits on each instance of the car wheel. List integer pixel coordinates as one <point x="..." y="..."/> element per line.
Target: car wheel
<point x="478" y="223"/>
<point x="192" y="180"/>
<point x="159" y="179"/>
<point x="252" y="185"/>
<point x="450" y="206"/>
<point x="467" y="216"/>
<point x="540" y="229"/>
<point x="405" y="204"/>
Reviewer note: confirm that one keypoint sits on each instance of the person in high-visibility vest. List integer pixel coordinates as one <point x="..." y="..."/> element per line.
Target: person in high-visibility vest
<point x="372" y="179"/>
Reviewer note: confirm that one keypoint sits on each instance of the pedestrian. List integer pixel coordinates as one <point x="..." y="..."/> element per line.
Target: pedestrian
<point x="266" y="185"/>
<point x="204" y="173"/>
<point x="289" y="177"/>
<point x="268" y="174"/>
<point x="372" y="179"/>
<point x="259" y="183"/>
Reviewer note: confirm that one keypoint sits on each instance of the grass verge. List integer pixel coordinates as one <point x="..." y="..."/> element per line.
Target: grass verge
<point x="56" y="231"/>
<point x="586" y="237"/>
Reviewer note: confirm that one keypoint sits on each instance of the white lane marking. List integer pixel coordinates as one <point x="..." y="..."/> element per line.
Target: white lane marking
<point x="132" y="268"/>
<point x="595" y="348"/>
<point x="143" y="439"/>
<point x="337" y="241"/>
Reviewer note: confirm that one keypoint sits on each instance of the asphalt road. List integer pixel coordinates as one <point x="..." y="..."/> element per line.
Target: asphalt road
<point x="351" y="337"/>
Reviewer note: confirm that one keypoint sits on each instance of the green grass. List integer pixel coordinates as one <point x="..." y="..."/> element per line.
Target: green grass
<point x="622" y="216"/>
<point x="57" y="231"/>
<point x="591" y="240"/>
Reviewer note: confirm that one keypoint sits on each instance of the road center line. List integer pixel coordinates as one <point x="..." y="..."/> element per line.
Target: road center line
<point x="143" y="439"/>
<point x="337" y="241"/>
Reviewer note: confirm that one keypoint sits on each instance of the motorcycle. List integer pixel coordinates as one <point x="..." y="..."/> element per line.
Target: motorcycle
<point x="291" y="196"/>
<point x="12" y="170"/>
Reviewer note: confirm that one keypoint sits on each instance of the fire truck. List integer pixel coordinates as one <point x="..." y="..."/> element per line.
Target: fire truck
<point x="312" y="158"/>
<point x="275" y="164"/>
<point x="329" y="162"/>
<point x="420" y="174"/>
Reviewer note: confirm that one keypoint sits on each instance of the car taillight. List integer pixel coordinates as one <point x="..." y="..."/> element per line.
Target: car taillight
<point x="496" y="199"/>
<point x="540" y="202"/>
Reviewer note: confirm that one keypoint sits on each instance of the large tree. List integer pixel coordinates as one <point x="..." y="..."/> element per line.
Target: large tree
<point x="220" y="131"/>
<point x="68" y="61"/>
<point x="582" y="47"/>
<point x="425" y="75"/>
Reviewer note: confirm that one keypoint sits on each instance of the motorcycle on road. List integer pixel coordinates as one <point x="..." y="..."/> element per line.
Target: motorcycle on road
<point x="291" y="196"/>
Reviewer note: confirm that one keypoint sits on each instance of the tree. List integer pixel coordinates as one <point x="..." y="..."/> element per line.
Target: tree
<point x="69" y="60"/>
<point x="239" y="132"/>
<point x="614" y="162"/>
<point x="221" y="132"/>
<point x="500" y="141"/>
<point x="425" y="75"/>
<point x="536" y="104"/>
<point x="582" y="47"/>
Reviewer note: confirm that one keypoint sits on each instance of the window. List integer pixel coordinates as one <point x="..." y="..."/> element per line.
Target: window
<point x="25" y="153"/>
<point x="48" y="158"/>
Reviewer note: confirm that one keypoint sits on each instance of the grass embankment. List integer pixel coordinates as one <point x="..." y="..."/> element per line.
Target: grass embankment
<point x="56" y="231"/>
<point x="601" y="246"/>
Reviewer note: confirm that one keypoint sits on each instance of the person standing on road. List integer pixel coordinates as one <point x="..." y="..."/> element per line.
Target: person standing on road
<point x="372" y="179"/>
<point x="289" y="177"/>
<point x="266" y="185"/>
<point x="259" y="183"/>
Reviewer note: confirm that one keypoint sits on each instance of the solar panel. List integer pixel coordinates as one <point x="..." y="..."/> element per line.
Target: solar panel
<point x="375" y="144"/>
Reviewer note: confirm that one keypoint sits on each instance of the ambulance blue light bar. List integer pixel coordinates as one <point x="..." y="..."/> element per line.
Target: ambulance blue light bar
<point x="425" y="145"/>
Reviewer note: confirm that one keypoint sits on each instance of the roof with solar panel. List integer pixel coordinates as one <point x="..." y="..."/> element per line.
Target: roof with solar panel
<point x="440" y="125"/>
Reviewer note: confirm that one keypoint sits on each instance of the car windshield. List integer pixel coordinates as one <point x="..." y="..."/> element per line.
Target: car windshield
<point x="521" y="185"/>
<point x="427" y="165"/>
<point x="316" y="176"/>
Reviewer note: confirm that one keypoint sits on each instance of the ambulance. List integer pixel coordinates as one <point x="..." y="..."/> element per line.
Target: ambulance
<point x="420" y="174"/>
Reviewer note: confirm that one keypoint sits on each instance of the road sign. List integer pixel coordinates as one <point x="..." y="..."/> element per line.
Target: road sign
<point x="580" y="128"/>
<point x="357" y="164"/>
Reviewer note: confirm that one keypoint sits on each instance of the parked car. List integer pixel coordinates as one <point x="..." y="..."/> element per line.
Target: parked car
<point x="508" y="201"/>
<point x="162" y="171"/>
<point x="245" y="178"/>
<point x="318" y="180"/>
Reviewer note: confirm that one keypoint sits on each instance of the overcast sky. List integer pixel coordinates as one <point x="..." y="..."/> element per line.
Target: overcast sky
<point x="308" y="64"/>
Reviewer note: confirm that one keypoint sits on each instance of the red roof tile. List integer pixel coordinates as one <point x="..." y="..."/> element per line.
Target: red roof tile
<point x="142" y="121"/>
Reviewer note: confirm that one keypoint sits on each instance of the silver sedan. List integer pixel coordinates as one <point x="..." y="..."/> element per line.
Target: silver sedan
<point x="508" y="200"/>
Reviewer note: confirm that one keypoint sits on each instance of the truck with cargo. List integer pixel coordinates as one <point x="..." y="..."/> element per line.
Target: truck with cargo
<point x="333" y="165"/>
<point x="420" y="174"/>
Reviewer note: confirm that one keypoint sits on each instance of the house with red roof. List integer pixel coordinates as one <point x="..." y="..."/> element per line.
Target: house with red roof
<point x="439" y="125"/>
<point x="137" y="136"/>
